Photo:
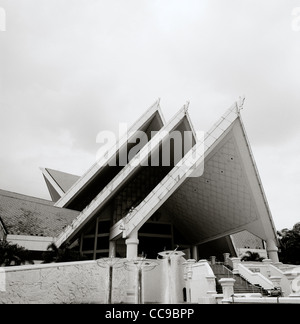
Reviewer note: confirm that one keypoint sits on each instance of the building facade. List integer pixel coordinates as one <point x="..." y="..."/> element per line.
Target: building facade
<point x="142" y="197"/>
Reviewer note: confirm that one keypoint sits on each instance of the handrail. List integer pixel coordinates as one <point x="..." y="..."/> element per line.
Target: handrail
<point x="239" y="278"/>
<point x="255" y="278"/>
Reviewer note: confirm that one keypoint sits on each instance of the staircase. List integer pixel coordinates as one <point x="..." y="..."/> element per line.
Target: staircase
<point x="241" y="286"/>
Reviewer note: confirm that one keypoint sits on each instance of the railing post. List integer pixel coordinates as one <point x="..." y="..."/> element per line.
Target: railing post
<point x="294" y="281"/>
<point x="188" y="275"/>
<point x="235" y="265"/>
<point x="276" y="281"/>
<point x="227" y="287"/>
<point x="226" y="257"/>
<point x="213" y="260"/>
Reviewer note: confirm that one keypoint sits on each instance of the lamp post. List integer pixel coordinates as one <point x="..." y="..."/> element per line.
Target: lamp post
<point x="139" y="265"/>
<point x="110" y="264"/>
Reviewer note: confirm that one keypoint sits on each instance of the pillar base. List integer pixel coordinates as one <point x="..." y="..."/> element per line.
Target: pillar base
<point x="132" y="248"/>
<point x="227" y="287"/>
<point x="272" y="250"/>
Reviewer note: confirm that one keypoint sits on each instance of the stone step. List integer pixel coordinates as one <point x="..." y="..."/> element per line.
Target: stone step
<point x="240" y="286"/>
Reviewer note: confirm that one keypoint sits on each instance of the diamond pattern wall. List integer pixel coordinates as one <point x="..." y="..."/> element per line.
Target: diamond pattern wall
<point x="217" y="202"/>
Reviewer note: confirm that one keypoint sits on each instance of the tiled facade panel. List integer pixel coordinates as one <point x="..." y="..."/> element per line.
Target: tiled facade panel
<point x="221" y="201"/>
<point x="137" y="190"/>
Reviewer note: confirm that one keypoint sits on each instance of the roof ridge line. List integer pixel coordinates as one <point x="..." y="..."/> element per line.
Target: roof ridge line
<point x="51" y="203"/>
<point x="115" y="147"/>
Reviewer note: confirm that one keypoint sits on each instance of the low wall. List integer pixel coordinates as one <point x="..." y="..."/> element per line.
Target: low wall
<point x="82" y="282"/>
<point x="74" y="282"/>
<point x="266" y="269"/>
<point x="263" y="300"/>
<point x="200" y="284"/>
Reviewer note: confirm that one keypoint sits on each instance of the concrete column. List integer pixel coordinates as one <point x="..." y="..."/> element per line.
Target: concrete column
<point x="132" y="244"/>
<point x="272" y="250"/>
<point x="227" y="287"/>
<point x="195" y="252"/>
<point x="112" y="249"/>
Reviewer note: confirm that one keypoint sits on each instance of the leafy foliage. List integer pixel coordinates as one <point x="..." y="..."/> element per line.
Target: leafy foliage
<point x="13" y="254"/>
<point x="61" y="254"/>
<point x="289" y="245"/>
<point x="252" y="256"/>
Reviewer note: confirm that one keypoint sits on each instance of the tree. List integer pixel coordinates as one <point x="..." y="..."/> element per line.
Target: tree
<point x="62" y="254"/>
<point x="289" y="245"/>
<point x="252" y="256"/>
<point x="13" y="254"/>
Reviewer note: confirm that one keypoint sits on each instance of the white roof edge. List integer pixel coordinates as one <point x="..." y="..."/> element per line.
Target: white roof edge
<point x="185" y="107"/>
<point x="155" y="108"/>
<point x="258" y="177"/>
<point x="30" y="238"/>
<point x="225" y="123"/>
<point x="228" y="118"/>
<point x="53" y="183"/>
<point x="118" y="180"/>
<point x="159" y="194"/>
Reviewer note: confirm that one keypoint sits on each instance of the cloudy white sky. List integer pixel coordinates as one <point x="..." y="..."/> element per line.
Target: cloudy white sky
<point x="72" y="68"/>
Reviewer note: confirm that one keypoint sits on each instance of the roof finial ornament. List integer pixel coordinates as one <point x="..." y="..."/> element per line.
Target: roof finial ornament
<point x="240" y="104"/>
<point x="186" y="107"/>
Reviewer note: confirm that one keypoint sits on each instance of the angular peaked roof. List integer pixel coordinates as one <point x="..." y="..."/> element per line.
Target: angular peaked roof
<point x="151" y="120"/>
<point x="58" y="182"/>
<point x="227" y="198"/>
<point x="24" y="215"/>
<point x="181" y="118"/>
<point x="63" y="179"/>
<point x="213" y="191"/>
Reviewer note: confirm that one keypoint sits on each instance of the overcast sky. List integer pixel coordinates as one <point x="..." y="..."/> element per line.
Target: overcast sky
<point x="72" y="68"/>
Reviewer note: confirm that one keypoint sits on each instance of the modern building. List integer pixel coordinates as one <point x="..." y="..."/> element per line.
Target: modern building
<point x="145" y="195"/>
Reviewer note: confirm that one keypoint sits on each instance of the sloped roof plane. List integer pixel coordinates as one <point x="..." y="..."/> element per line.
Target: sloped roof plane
<point x="227" y="198"/>
<point x="63" y="179"/>
<point x="58" y="182"/>
<point x="152" y="117"/>
<point x="124" y="175"/>
<point x="24" y="215"/>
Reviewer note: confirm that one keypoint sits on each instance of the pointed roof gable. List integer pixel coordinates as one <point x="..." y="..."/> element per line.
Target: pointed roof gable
<point x="152" y="120"/>
<point x="63" y="179"/>
<point x="58" y="182"/>
<point x="227" y="198"/>
<point x="180" y="120"/>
